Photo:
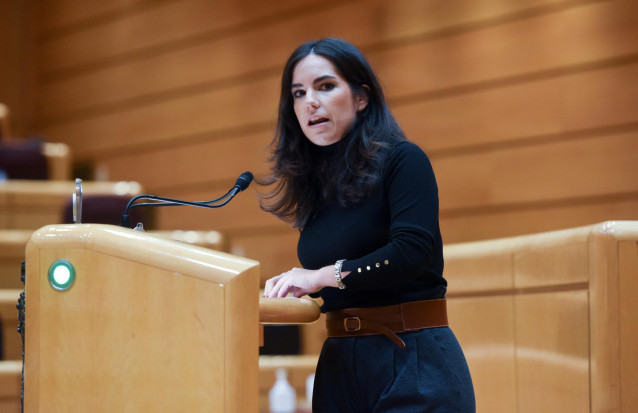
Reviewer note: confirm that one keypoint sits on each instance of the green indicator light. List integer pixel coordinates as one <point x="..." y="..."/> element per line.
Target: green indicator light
<point x="61" y="275"/>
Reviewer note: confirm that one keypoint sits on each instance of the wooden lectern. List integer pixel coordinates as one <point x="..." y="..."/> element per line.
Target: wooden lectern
<point x="146" y="324"/>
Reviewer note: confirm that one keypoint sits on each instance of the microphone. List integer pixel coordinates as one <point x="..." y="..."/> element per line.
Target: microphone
<point x="242" y="183"/>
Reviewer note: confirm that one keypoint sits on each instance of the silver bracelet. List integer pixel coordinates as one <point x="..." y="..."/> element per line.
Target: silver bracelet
<point x="338" y="265"/>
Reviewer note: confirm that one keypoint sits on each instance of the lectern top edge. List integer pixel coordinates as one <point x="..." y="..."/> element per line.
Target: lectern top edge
<point x="137" y="246"/>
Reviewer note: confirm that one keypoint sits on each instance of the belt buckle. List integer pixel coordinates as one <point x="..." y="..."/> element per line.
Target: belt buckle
<point x="345" y="324"/>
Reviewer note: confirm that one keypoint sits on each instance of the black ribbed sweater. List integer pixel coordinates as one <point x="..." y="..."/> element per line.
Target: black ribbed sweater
<point x="391" y="241"/>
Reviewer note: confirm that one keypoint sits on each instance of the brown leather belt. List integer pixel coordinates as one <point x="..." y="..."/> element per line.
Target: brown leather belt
<point x="387" y="320"/>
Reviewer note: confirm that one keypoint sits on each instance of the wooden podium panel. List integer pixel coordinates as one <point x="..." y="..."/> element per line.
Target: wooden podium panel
<point x="149" y="325"/>
<point x="548" y="321"/>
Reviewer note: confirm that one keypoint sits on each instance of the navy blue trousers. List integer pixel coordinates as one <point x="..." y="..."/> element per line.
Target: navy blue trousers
<point x="371" y="374"/>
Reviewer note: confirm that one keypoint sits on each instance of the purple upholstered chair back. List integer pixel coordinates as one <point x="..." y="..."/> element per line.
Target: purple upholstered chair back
<point x="106" y="209"/>
<point x="23" y="160"/>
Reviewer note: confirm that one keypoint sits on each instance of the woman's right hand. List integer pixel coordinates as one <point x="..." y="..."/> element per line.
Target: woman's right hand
<point x="299" y="282"/>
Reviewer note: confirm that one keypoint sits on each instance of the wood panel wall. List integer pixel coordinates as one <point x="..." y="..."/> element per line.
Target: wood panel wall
<point x="526" y="108"/>
<point x="17" y="67"/>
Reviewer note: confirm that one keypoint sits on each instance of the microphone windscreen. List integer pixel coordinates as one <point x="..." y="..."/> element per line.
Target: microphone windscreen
<point x="244" y="180"/>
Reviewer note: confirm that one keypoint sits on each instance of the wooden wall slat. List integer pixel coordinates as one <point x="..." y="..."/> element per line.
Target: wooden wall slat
<point x="213" y="112"/>
<point x="56" y="15"/>
<point x="199" y="65"/>
<point x="17" y="79"/>
<point x="241" y="214"/>
<point x="137" y="81"/>
<point x="165" y="22"/>
<point x="536" y="218"/>
<point x="408" y="17"/>
<point x="524" y="111"/>
<point x="193" y="165"/>
<point x="575" y="168"/>
<point x="508" y="52"/>
<point x="521" y="112"/>
<point x="155" y="27"/>
<point x="509" y="176"/>
<point x="470" y="185"/>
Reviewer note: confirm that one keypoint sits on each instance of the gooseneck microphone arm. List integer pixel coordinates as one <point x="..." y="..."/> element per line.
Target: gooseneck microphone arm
<point x="173" y="202"/>
<point x="242" y="183"/>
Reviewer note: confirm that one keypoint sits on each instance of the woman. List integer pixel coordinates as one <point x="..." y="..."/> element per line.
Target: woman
<point x="366" y="203"/>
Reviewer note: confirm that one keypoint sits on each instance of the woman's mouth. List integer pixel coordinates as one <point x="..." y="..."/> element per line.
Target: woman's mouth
<point x="317" y="120"/>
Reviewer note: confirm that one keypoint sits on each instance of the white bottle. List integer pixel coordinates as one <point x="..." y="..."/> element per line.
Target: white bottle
<point x="282" y="396"/>
<point x="310" y="385"/>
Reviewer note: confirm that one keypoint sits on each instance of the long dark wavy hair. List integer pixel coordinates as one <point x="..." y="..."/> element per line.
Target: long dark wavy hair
<point x="303" y="184"/>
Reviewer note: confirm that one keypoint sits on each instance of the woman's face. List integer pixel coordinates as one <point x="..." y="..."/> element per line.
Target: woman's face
<point x="323" y="101"/>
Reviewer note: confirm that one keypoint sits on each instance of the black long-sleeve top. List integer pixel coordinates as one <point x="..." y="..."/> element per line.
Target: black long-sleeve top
<point x="391" y="241"/>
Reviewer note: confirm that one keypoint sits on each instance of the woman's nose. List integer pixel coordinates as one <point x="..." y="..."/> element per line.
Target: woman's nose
<point x="311" y="100"/>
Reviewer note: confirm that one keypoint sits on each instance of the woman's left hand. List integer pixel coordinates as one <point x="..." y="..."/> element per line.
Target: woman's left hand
<point x="297" y="282"/>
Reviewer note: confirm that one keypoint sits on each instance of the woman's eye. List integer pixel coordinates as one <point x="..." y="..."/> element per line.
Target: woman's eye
<point x="297" y="93"/>
<point x="327" y="86"/>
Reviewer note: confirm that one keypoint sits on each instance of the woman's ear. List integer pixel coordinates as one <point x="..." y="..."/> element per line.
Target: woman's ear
<point x="362" y="98"/>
